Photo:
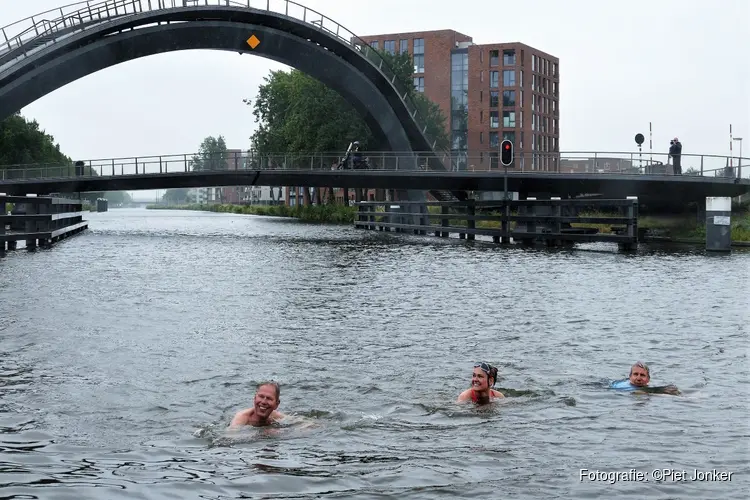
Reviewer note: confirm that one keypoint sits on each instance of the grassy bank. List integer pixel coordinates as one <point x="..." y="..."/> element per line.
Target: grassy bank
<point x="332" y="214"/>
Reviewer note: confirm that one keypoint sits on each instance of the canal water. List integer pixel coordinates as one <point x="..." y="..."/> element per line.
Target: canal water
<point x="125" y="351"/>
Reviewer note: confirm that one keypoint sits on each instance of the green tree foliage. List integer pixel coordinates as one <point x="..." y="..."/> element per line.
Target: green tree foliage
<point x="23" y="145"/>
<point x="212" y="155"/>
<point x="297" y="114"/>
<point x="22" y="142"/>
<point x="177" y="196"/>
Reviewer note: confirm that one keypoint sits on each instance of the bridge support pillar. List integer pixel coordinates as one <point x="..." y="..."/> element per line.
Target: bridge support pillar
<point x="718" y="224"/>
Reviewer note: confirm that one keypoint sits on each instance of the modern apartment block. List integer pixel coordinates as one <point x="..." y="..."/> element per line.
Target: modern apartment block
<point x="489" y="92"/>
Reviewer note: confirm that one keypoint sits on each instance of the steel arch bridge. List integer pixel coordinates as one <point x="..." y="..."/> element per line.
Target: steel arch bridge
<point x="44" y="52"/>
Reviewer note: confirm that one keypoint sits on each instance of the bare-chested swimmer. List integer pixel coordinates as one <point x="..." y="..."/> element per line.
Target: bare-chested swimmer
<point x="263" y="412"/>
<point x="482" y="380"/>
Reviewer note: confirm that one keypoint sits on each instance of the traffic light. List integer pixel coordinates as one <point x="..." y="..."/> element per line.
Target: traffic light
<point x="506" y="153"/>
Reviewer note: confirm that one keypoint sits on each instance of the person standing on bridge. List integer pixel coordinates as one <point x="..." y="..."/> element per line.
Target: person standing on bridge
<point x="263" y="412"/>
<point x="675" y="151"/>
<point x="482" y="380"/>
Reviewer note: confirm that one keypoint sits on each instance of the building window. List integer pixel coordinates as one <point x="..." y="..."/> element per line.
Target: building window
<point x="554" y="88"/>
<point x="374" y="44"/>
<point x="520" y="82"/>
<point x="521" y="103"/>
<point x="481" y="95"/>
<point x="389" y="46"/>
<point x="419" y="83"/>
<point x="481" y="137"/>
<point x="419" y="55"/>
<point x="533" y="62"/>
<point x="494" y="119"/>
<point x="494" y="79"/>
<point x="494" y="57"/>
<point x="509" y="57"/>
<point x="509" y="78"/>
<point x="494" y="160"/>
<point x="509" y="97"/>
<point x="494" y="98"/>
<point x="481" y="116"/>
<point x="494" y="140"/>
<point x="533" y="102"/>
<point x="509" y="135"/>
<point x="403" y="46"/>
<point x="509" y="119"/>
<point x="554" y="107"/>
<point x="460" y="106"/>
<point x="554" y="69"/>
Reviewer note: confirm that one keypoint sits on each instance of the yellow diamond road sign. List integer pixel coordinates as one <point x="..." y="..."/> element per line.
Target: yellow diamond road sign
<point x="253" y="41"/>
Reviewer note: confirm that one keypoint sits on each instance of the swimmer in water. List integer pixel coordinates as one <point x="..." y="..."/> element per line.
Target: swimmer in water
<point x="640" y="376"/>
<point x="263" y="412"/>
<point x="482" y="380"/>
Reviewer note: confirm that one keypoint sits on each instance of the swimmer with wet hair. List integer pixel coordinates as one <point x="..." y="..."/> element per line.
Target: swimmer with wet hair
<point x="483" y="378"/>
<point x="263" y="412"/>
<point x="640" y="376"/>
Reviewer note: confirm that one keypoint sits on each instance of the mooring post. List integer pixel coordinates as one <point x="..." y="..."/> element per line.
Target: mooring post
<point x="630" y="211"/>
<point x="44" y="225"/>
<point x="2" y="225"/>
<point x="30" y="226"/>
<point x="461" y="236"/>
<point x="471" y="223"/>
<point x="505" y="224"/>
<point x="444" y="210"/>
<point x="718" y="223"/>
<point x="556" y="224"/>
<point x="530" y="225"/>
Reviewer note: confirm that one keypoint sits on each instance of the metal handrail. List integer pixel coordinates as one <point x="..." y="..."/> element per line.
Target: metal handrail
<point x="116" y="9"/>
<point x="590" y="163"/>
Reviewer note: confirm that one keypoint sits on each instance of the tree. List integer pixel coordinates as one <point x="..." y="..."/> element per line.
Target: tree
<point x="212" y="155"/>
<point x="176" y="196"/>
<point x="23" y="143"/>
<point x="298" y="114"/>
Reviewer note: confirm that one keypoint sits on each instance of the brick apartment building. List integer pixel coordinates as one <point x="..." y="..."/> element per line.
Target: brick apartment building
<point x="489" y="93"/>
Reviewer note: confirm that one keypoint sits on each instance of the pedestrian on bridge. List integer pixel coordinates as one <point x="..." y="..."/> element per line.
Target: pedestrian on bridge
<point x="675" y="151"/>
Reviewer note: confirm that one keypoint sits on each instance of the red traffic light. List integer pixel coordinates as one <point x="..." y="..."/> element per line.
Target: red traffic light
<point x="506" y="156"/>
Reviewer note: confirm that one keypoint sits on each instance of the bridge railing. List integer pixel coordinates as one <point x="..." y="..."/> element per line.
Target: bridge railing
<point x="24" y="37"/>
<point x="565" y="163"/>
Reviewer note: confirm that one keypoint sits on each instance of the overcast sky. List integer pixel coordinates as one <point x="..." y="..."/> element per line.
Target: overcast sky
<point x="678" y="63"/>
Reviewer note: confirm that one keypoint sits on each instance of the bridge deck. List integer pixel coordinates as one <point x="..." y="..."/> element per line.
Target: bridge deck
<point x="676" y="189"/>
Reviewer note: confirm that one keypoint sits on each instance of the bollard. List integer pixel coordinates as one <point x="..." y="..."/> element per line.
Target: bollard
<point x="718" y="224"/>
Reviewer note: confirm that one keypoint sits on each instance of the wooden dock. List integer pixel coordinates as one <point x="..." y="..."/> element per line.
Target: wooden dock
<point x="40" y="221"/>
<point x="549" y="222"/>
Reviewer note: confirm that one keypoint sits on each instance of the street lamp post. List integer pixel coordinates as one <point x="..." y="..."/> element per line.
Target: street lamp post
<point x="739" y="161"/>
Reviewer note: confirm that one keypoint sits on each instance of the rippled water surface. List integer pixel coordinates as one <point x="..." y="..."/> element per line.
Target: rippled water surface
<point x="125" y="351"/>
